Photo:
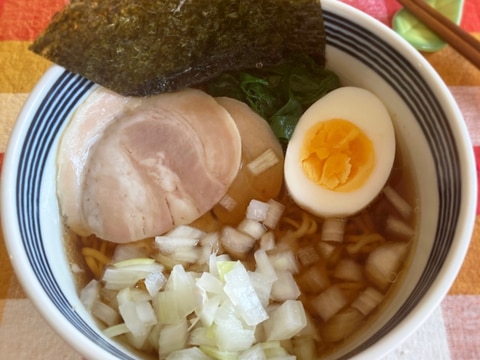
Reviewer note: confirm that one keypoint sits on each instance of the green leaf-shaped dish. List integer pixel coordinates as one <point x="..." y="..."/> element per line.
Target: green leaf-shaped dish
<point x="418" y="34"/>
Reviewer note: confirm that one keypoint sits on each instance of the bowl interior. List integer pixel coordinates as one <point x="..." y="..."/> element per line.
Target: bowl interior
<point x="364" y="53"/>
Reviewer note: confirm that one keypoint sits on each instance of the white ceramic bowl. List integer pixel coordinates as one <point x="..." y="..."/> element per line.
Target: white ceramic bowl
<point x="364" y="53"/>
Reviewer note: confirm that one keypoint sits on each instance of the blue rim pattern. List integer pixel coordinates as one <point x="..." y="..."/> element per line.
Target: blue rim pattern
<point x="343" y="34"/>
<point x="408" y="83"/>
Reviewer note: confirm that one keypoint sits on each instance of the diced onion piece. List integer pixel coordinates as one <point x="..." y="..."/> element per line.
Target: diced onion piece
<point x="257" y="210"/>
<point x="193" y="353"/>
<point x="267" y="241"/>
<point x="284" y="260"/>
<point x="252" y="228"/>
<point x="129" y="251"/>
<point x="397" y="226"/>
<point x="241" y="293"/>
<point x="202" y="336"/>
<point x="128" y="272"/>
<point x="116" y="330"/>
<point x="275" y="212"/>
<point x="263" y="162"/>
<point x="178" y="299"/>
<point x="169" y="244"/>
<point x="307" y="255"/>
<point x="208" y="310"/>
<point x="286" y="321"/>
<point x="304" y="348"/>
<point x="333" y="229"/>
<point x="314" y="280"/>
<point x="134" y="262"/>
<point x="349" y="270"/>
<point x="342" y="324"/>
<point x="186" y="232"/>
<point x="105" y="313"/>
<point x="89" y="294"/>
<point x="263" y="286"/>
<point x="325" y="249"/>
<point x="137" y="315"/>
<point x="329" y="302"/>
<point x="266" y="350"/>
<point x="235" y="242"/>
<point x="263" y="264"/>
<point x="154" y="282"/>
<point x="185" y="254"/>
<point x="228" y="202"/>
<point x="215" y="353"/>
<point x="229" y="331"/>
<point x="310" y="330"/>
<point x="383" y="263"/>
<point x="285" y="287"/>
<point x="172" y="337"/>
<point x="367" y="300"/>
<point x="210" y="283"/>
<point x="399" y="203"/>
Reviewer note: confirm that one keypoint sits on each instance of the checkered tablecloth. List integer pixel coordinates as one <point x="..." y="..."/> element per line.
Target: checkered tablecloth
<point x="452" y="332"/>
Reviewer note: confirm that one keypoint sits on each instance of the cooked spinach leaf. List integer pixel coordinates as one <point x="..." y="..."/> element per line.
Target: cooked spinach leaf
<point x="279" y="93"/>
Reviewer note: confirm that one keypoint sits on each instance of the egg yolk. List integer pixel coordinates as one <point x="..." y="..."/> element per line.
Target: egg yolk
<point x="337" y="155"/>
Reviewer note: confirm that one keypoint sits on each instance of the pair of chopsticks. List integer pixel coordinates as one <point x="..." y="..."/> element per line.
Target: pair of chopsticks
<point x="458" y="38"/>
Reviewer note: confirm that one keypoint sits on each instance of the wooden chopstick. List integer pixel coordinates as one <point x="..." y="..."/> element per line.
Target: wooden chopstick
<point x="458" y="38"/>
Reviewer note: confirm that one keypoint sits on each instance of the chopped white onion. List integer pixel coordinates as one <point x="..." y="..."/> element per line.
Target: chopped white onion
<point x="329" y="302"/>
<point x="193" y="353"/>
<point x="116" y="330"/>
<point x="129" y="251"/>
<point x="128" y="272"/>
<point x="263" y="264"/>
<point x="263" y="162"/>
<point x="367" y="300"/>
<point x="349" y="270"/>
<point x="383" y="263"/>
<point x="137" y="315"/>
<point x="267" y="241"/>
<point x="304" y="348"/>
<point x="275" y="212"/>
<point x="325" y="249"/>
<point x="229" y="332"/>
<point x="399" y="203"/>
<point x="241" y="293"/>
<point x="257" y="210"/>
<point x="172" y="337"/>
<point x="89" y="294"/>
<point x="333" y="229"/>
<point x="397" y="226"/>
<point x="154" y="282"/>
<point x="284" y="260"/>
<point x="105" y="313"/>
<point x="235" y="242"/>
<point x="314" y="280"/>
<point x="285" y="287"/>
<point x="286" y="321"/>
<point x="262" y="285"/>
<point x="228" y="202"/>
<point x="252" y="228"/>
<point x="307" y="255"/>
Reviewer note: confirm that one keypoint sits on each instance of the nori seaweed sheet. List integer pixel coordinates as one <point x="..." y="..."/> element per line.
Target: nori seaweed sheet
<point x="144" y="47"/>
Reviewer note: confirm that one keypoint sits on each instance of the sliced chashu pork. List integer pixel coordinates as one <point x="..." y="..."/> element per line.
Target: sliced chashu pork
<point x="257" y="138"/>
<point x="95" y="114"/>
<point x="164" y="163"/>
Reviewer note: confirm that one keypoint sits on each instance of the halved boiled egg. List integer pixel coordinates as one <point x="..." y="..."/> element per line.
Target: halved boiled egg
<point x="341" y="153"/>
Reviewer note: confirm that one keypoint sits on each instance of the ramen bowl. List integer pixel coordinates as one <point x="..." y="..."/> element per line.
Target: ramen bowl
<point x="363" y="52"/>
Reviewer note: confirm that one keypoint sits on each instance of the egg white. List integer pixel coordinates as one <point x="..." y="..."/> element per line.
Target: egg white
<point x="370" y="115"/>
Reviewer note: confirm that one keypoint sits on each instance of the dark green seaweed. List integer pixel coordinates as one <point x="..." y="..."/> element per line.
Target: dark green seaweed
<point x="280" y="93"/>
<point x="143" y="47"/>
